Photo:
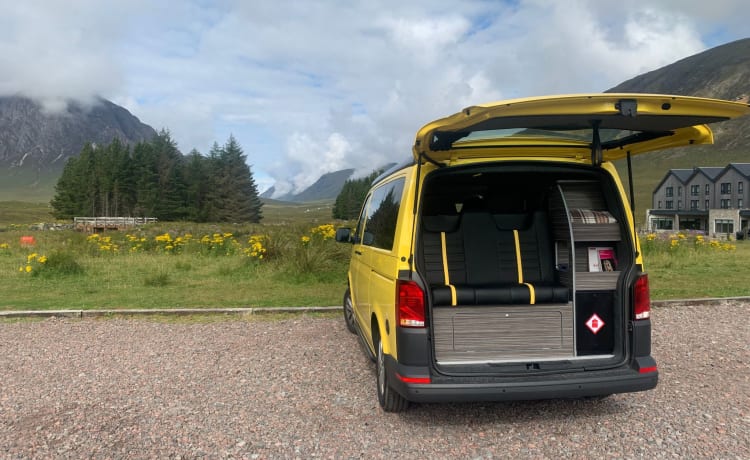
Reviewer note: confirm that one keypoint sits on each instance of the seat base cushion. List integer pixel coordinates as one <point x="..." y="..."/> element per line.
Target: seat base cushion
<point x="499" y="294"/>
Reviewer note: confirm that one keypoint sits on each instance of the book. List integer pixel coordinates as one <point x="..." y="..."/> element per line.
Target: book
<point x="602" y="259"/>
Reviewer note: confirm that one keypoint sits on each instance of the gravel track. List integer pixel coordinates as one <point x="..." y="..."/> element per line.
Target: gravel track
<point x="302" y="388"/>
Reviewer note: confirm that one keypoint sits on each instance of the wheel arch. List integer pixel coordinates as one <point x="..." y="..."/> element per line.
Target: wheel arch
<point x="379" y="332"/>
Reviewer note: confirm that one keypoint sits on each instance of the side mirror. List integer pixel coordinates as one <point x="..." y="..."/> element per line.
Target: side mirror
<point x="343" y="235"/>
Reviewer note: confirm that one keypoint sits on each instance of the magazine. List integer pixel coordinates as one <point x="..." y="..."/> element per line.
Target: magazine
<point x="602" y="259"/>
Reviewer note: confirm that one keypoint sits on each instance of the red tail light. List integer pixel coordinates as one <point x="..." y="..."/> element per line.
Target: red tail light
<point x="409" y="304"/>
<point x="641" y="298"/>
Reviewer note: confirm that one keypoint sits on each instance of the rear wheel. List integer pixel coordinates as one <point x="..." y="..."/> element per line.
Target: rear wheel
<point x="388" y="398"/>
<point x="349" y="312"/>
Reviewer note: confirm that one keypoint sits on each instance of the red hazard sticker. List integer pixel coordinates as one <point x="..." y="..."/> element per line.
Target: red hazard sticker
<point x="594" y="323"/>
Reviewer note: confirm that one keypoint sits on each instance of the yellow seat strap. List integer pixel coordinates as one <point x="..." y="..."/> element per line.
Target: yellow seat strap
<point x="532" y="293"/>
<point x="445" y="269"/>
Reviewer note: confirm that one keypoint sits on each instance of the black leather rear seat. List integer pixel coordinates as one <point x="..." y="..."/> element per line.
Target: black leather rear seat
<point x="472" y="258"/>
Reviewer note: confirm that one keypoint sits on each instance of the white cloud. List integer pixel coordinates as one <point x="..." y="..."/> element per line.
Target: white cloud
<point x="316" y="86"/>
<point x="53" y="51"/>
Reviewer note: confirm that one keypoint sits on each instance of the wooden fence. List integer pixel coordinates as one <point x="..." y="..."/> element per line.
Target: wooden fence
<point x="100" y="224"/>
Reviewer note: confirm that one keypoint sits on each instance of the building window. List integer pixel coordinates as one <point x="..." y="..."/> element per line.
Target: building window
<point x="708" y="189"/>
<point x="679" y="191"/>
<point x="695" y="190"/>
<point x="679" y="204"/>
<point x="693" y="204"/>
<point x="659" y="207"/>
<point x="690" y="224"/>
<point x="726" y="204"/>
<point x="740" y="187"/>
<point x="740" y="203"/>
<point x="707" y="205"/>
<point x="670" y="191"/>
<point x="726" y="188"/>
<point x="724" y="226"/>
<point x="662" y="223"/>
<point x="669" y="204"/>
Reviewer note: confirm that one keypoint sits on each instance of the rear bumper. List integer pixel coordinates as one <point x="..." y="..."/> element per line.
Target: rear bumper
<point x="556" y="386"/>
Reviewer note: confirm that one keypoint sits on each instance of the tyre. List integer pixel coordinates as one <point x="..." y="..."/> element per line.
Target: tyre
<point x="389" y="399"/>
<point x="349" y="312"/>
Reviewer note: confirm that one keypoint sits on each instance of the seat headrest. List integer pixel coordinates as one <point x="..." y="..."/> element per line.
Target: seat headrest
<point x="440" y="223"/>
<point x="512" y="221"/>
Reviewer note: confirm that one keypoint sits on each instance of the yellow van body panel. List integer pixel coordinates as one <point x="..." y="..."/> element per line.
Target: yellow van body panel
<point x="535" y="125"/>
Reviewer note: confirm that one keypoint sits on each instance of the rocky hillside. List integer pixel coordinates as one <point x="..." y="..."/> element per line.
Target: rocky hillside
<point x="723" y="73"/>
<point x="31" y="139"/>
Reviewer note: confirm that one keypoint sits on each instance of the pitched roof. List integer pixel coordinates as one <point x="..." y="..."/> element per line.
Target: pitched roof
<point x="743" y="168"/>
<point x="682" y="174"/>
<point x="712" y="172"/>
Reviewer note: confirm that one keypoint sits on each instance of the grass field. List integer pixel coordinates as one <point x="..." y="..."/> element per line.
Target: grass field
<point x="687" y="266"/>
<point x="290" y="260"/>
<point x="173" y="266"/>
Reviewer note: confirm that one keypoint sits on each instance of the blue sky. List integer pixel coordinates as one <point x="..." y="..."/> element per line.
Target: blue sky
<point x="313" y="87"/>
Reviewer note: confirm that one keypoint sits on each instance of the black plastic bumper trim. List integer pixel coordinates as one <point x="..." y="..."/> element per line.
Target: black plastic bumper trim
<point x="594" y="383"/>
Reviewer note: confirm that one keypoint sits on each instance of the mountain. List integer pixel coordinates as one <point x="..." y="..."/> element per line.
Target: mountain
<point x="327" y="187"/>
<point x="722" y="72"/>
<point x="268" y="193"/>
<point x="34" y="145"/>
<point x="31" y="138"/>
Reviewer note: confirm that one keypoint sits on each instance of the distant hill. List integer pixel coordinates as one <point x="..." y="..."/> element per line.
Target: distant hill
<point x="35" y="145"/>
<point x="31" y="138"/>
<point x="325" y="188"/>
<point x="723" y="73"/>
<point x="268" y="194"/>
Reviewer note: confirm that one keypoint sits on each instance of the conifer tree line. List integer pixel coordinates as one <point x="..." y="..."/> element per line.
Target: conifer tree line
<point x="153" y="179"/>
<point x="352" y="195"/>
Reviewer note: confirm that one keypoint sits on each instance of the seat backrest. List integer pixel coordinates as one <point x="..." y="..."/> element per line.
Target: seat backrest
<point x="480" y="248"/>
<point x="441" y="232"/>
<point x="537" y="252"/>
<point x="490" y="254"/>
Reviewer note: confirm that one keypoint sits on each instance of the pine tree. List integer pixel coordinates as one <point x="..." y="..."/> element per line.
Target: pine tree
<point x="170" y="203"/>
<point x="352" y="196"/>
<point x="156" y="180"/>
<point x="68" y="202"/>
<point x="147" y="179"/>
<point x="234" y="197"/>
<point x="197" y="186"/>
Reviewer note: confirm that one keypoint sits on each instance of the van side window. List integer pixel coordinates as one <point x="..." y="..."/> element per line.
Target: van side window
<point x="361" y="220"/>
<point x="380" y="227"/>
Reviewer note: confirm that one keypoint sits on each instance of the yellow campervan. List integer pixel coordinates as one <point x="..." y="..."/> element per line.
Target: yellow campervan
<point x="501" y="261"/>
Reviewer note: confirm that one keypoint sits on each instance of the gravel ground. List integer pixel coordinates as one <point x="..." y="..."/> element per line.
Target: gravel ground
<point x="302" y="388"/>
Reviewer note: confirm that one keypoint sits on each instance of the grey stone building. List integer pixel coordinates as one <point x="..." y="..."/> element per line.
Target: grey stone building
<point x="714" y="200"/>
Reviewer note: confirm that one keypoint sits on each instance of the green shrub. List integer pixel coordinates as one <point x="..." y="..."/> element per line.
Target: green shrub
<point x="57" y="263"/>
